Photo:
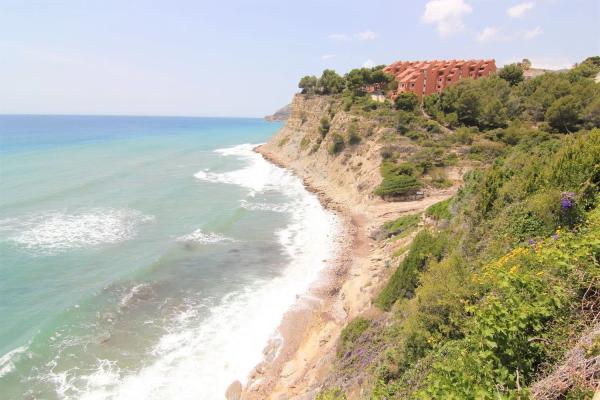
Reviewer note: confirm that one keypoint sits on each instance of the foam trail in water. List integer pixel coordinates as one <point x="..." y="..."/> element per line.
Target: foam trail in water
<point x="56" y="231"/>
<point x="199" y="357"/>
<point x="199" y="236"/>
<point x="7" y="361"/>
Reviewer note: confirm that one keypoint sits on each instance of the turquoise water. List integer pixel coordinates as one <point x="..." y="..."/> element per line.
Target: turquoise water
<point x="145" y="258"/>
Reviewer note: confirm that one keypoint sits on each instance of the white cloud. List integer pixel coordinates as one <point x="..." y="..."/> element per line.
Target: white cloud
<point x="488" y="34"/>
<point x="446" y="14"/>
<point x="338" y="37"/>
<point x="327" y="56"/>
<point x="367" y="35"/>
<point x="520" y="9"/>
<point x="368" y="64"/>
<point x="530" y="34"/>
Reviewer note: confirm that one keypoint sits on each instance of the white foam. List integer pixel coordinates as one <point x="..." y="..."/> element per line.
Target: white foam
<point x="7" y="361"/>
<point x="199" y="357"/>
<point x="56" y="231"/>
<point x="199" y="236"/>
<point x="280" y="208"/>
<point x="258" y="175"/>
<point x="132" y="292"/>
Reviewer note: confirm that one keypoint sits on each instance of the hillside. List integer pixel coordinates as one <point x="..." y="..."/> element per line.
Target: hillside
<point x="470" y="268"/>
<point x="280" y="115"/>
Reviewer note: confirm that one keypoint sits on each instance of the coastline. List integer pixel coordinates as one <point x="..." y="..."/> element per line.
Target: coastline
<point x="296" y="365"/>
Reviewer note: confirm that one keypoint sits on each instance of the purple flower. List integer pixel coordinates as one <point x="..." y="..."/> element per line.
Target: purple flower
<point x="567" y="200"/>
<point x="555" y="236"/>
<point x="531" y="242"/>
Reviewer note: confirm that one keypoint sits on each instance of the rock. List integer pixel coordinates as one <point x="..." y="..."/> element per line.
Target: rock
<point x="234" y="391"/>
<point x="288" y="370"/>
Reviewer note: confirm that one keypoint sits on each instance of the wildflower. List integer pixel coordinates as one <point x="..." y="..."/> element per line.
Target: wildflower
<point x="567" y="200"/>
<point x="555" y="236"/>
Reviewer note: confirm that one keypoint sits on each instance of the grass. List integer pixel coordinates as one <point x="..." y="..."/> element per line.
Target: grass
<point x="439" y="211"/>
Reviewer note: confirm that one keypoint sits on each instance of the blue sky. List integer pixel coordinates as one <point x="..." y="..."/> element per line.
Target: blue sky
<point x="244" y="58"/>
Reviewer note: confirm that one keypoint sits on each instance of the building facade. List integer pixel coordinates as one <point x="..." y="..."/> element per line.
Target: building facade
<point x="427" y="77"/>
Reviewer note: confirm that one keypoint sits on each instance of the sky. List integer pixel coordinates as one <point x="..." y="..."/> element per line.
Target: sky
<point x="245" y="58"/>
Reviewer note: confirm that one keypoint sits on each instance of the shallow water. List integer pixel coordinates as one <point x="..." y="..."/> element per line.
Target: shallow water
<point x="145" y="258"/>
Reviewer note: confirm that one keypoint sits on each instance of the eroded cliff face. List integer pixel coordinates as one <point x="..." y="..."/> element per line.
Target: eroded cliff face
<point x="350" y="175"/>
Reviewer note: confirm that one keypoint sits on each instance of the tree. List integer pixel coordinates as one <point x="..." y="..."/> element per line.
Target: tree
<point x="406" y="101"/>
<point x="512" y="73"/>
<point x="308" y="84"/>
<point x="330" y="82"/>
<point x="564" y="114"/>
<point x="525" y="64"/>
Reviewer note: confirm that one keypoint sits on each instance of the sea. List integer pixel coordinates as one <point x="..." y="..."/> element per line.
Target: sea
<point x="146" y="257"/>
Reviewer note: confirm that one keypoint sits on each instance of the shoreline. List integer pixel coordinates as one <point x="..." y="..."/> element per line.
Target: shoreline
<point x="319" y="306"/>
<point x="296" y="365"/>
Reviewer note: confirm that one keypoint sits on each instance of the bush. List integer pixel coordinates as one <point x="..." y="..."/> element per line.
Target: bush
<point x="439" y="211"/>
<point x="564" y="114"/>
<point x="512" y="73"/>
<point x="425" y="247"/>
<point x="406" y="101"/>
<point x="400" y="225"/>
<point x="398" y="185"/>
<point x="353" y="136"/>
<point x="324" y="126"/>
<point x="464" y="135"/>
<point x="304" y="143"/>
<point x="331" y="394"/>
<point x="337" y="144"/>
<point x="350" y="334"/>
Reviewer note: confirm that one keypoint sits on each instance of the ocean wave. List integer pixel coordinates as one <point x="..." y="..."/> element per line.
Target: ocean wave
<point x="7" y="361"/>
<point x="55" y="231"/>
<point x="199" y="236"/>
<point x="200" y="355"/>
<point x="280" y="208"/>
<point x="257" y="176"/>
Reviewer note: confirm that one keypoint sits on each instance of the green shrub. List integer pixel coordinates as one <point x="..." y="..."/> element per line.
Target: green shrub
<point x="353" y="136"/>
<point x="350" y="334"/>
<point x="283" y="141"/>
<point x="337" y="144"/>
<point x="406" y="101"/>
<point x="331" y="394"/>
<point x="439" y="211"/>
<point x="425" y="247"/>
<point x="324" y="126"/>
<point x="464" y="135"/>
<point x="398" y="185"/>
<point x="400" y="225"/>
<point x="304" y="143"/>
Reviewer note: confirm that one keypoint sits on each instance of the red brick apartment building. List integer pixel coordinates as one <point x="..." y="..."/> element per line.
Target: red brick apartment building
<point x="426" y="77"/>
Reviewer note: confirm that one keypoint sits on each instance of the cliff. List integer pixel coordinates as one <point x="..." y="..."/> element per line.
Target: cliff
<point x="345" y="181"/>
<point x="494" y="292"/>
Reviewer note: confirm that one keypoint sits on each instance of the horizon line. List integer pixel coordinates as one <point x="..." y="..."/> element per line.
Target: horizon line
<point x="124" y="115"/>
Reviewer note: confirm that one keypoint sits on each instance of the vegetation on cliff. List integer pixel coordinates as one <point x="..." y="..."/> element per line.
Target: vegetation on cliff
<point x="505" y="277"/>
